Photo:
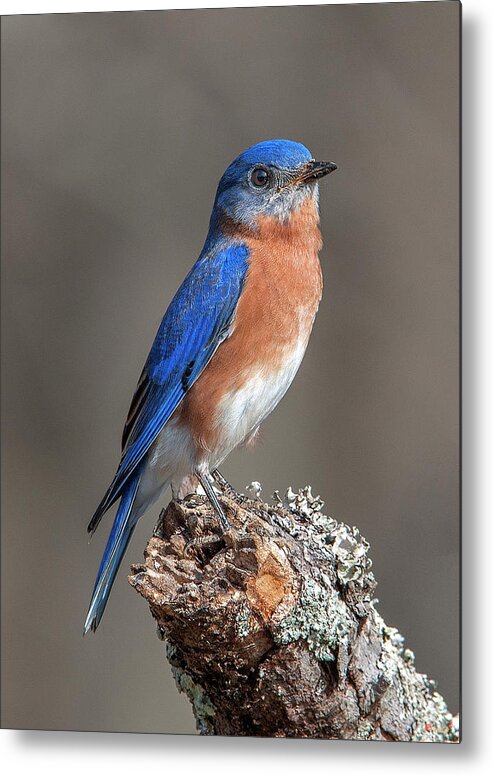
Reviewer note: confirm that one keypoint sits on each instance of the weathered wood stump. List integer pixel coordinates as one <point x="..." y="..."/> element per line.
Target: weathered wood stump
<point x="276" y="633"/>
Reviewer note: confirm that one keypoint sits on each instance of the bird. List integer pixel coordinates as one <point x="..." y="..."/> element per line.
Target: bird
<point x="228" y="346"/>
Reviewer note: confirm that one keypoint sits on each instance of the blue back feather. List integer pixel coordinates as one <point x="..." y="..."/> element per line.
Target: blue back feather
<point x="196" y="322"/>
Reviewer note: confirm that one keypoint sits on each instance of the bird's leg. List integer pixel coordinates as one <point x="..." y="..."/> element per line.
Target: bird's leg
<point x="210" y="492"/>
<point x="202" y="541"/>
<point x="225" y="486"/>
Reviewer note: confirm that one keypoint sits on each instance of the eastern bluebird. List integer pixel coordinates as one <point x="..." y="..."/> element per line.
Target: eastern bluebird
<point x="228" y="346"/>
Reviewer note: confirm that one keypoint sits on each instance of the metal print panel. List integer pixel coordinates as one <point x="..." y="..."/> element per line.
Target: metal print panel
<point x="248" y="220"/>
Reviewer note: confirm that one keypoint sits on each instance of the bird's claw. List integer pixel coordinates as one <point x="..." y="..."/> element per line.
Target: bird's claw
<point x="201" y="542"/>
<point x="230" y="538"/>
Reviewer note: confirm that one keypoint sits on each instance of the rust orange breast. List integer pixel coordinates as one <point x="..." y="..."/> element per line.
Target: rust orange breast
<point x="275" y="314"/>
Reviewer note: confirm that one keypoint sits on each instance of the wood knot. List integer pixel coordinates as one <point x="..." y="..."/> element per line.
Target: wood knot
<point x="268" y="587"/>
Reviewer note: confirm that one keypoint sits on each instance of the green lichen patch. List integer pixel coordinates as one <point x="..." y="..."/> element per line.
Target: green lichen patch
<point x="365" y="730"/>
<point x="242" y="621"/>
<point x="308" y="523"/>
<point x="302" y="502"/>
<point x="203" y="707"/>
<point x="431" y="721"/>
<point x="319" y="617"/>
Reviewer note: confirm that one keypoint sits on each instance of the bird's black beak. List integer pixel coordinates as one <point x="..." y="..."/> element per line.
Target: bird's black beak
<point x="312" y="171"/>
<point x="318" y="169"/>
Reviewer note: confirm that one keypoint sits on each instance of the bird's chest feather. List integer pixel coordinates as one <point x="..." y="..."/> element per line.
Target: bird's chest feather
<point x="252" y="369"/>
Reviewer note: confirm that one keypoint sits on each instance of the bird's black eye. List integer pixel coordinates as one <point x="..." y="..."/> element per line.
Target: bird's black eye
<point x="259" y="177"/>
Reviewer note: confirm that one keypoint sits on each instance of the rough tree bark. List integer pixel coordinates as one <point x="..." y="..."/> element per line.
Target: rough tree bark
<point x="276" y="632"/>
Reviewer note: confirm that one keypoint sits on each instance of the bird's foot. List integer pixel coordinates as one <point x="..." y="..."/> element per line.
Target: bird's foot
<point x="229" y="536"/>
<point x="202" y="542"/>
<point x="230" y="539"/>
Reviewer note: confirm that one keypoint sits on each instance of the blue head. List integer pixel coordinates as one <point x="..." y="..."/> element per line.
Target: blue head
<point x="272" y="178"/>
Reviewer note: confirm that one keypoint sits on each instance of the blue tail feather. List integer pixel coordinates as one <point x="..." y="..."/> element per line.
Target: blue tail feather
<point x="120" y="535"/>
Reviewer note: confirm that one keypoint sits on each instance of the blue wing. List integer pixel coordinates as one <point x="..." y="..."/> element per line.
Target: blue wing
<point x="196" y="322"/>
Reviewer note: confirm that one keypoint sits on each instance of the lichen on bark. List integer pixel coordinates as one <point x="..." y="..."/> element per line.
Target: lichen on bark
<point x="275" y="632"/>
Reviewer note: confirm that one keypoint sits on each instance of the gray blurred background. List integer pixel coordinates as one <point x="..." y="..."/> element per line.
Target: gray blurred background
<point x="115" y="130"/>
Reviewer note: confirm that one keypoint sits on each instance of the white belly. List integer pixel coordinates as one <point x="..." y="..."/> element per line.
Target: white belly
<point x="241" y="411"/>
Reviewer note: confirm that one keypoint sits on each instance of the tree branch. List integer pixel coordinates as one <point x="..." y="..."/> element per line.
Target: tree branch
<point x="277" y="633"/>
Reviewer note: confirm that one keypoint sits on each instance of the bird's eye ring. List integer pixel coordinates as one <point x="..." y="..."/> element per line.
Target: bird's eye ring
<point x="259" y="177"/>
